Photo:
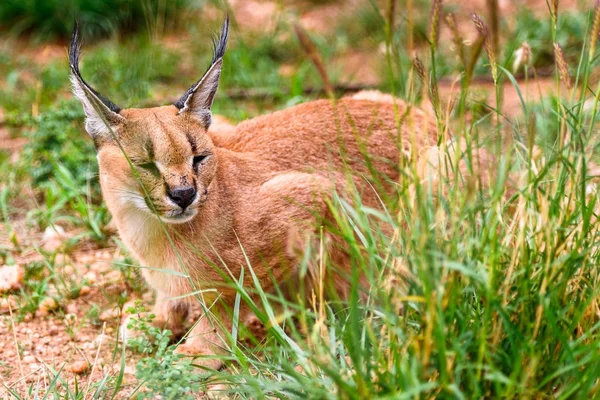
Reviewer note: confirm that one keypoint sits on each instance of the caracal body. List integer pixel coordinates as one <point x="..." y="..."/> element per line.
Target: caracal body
<point x="198" y="206"/>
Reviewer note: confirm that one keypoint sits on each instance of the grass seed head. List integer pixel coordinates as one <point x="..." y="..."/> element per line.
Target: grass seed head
<point x="595" y="30"/>
<point x="419" y="68"/>
<point x="484" y="32"/>
<point x="434" y="22"/>
<point x="522" y="56"/>
<point x="562" y="66"/>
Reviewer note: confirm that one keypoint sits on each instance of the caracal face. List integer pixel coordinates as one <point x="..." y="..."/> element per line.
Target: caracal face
<point x="159" y="161"/>
<point x="172" y="166"/>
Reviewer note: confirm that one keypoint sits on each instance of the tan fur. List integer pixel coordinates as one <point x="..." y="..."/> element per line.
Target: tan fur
<point x="264" y="183"/>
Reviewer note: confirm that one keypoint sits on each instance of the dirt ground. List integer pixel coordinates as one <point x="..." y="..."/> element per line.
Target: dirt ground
<point x="60" y="337"/>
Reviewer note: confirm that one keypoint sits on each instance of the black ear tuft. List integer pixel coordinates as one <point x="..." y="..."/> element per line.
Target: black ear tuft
<point x="74" y="52"/>
<point x="220" y="43"/>
<point x="219" y="47"/>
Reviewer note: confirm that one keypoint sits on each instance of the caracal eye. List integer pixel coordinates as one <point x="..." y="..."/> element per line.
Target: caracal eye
<point x="150" y="167"/>
<point x="197" y="160"/>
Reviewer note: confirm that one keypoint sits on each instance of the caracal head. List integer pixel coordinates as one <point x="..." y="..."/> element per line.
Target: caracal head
<point x="157" y="160"/>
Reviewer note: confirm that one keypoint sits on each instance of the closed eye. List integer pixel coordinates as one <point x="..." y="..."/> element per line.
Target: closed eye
<point x="150" y="167"/>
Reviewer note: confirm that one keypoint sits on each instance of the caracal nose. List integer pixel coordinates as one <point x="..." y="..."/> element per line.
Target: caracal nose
<point x="183" y="197"/>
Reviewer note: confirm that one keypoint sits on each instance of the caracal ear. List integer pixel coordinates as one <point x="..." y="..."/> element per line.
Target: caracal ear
<point x="102" y="115"/>
<point x="198" y="99"/>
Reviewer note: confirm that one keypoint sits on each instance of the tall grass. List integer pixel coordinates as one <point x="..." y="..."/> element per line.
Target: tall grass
<point x="483" y="289"/>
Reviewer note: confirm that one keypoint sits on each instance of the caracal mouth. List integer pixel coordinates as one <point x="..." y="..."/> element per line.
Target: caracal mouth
<point x="179" y="217"/>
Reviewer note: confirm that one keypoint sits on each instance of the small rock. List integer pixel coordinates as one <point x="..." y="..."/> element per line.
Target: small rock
<point x="53" y="237"/>
<point x="71" y="309"/>
<point x="113" y="276"/>
<point x="111" y="314"/>
<point x="62" y="259"/>
<point x="69" y="270"/>
<point x="101" y="338"/>
<point x="91" y="277"/>
<point x="128" y="370"/>
<point x="85" y="290"/>
<point x="85" y="258"/>
<point x="46" y="305"/>
<point x="11" y="277"/>
<point x="29" y="359"/>
<point x="79" y="367"/>
<point x="7" y="304"/>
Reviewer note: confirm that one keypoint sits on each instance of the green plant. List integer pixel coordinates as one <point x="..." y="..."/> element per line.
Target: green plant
<point x="163" y="372"/>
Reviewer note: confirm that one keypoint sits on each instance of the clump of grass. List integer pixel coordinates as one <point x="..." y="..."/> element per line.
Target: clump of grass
<point x="163" y="372"/>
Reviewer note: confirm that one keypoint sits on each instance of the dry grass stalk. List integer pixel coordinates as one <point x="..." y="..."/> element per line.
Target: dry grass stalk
<point x="311" y="51"/>
<point x="562" y="66"/>
<point x="475" y="52"/>
<point x="391" y="19"/>
<point x="494" y="24"/>
<point x="457" y="38"/>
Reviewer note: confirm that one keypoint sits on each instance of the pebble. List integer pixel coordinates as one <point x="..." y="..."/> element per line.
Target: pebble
<point x="111" y="314"/>
<point x="61" y="259"/>
<point x="53" y="237"/>
<point x="91" y="278"/>
<point x="71" y="309"/>
<point x="11" y="277"/>
<point x="128" y="370"/>
<point x="68" y="270"/>
<point x="29" y="359"/>
<point x="7" y="304"/>
<point x="46" y="305"/>
<point x="79" y="367"/>
<point x="85" y="290"/>
<point x="101" y="338"/>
